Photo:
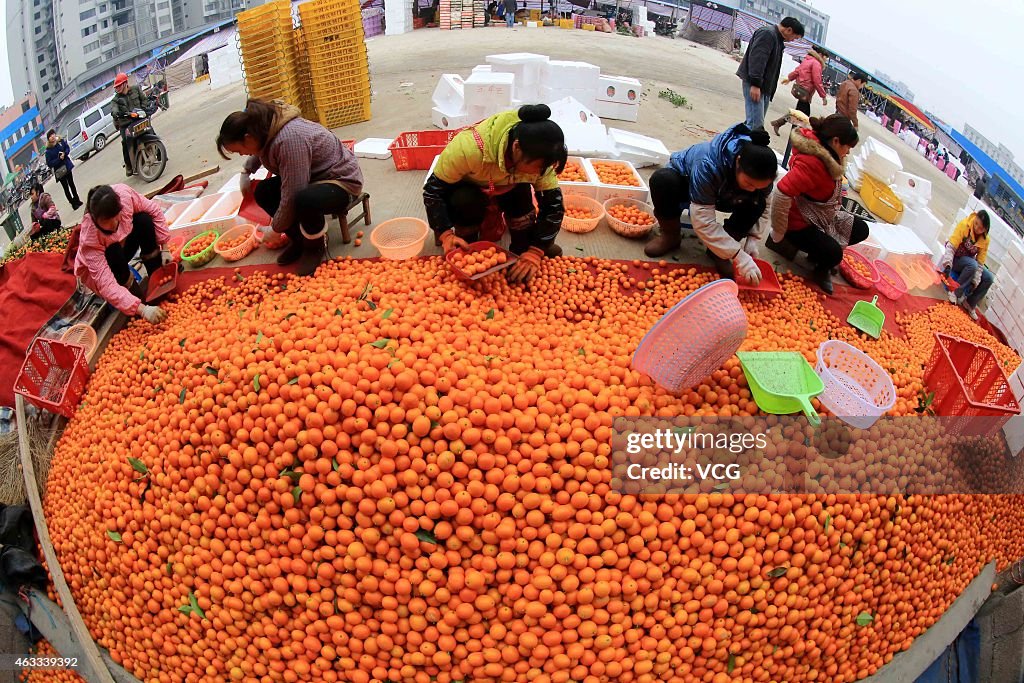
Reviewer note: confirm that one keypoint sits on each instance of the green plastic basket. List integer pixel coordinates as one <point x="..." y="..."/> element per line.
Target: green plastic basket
<point x="782" y="382"/>
<point x="203" y="257"/>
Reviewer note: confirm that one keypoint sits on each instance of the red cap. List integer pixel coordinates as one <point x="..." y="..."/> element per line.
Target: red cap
<point x="120" y="79"/>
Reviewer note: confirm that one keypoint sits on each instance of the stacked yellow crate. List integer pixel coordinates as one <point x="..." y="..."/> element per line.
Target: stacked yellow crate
<point x="267" y="47"/>
<point x="338" y="64"/>
<point x="306" y="103"/>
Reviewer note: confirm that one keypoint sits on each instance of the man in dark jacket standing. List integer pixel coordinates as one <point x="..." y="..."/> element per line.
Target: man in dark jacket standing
<point x="127" y="100"/>
<point x="762" y="65"/>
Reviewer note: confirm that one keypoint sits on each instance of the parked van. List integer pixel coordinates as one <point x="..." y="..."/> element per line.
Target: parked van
<point x="91" y="130"/>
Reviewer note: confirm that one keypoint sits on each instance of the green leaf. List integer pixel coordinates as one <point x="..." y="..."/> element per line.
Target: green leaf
<point x="297" y="493"/>
<point x="387" y="314"/>
<point x="181" y="396"/>
<point x="337" y="311"/>
<point x="142" y="354"/>
<point x="372" y="305"/>
<point x="114" y="536"/>
<point x="293" y="380"/>
<point x="579" y="248"/>
<point x="731" y="664"/>
<point x="581" y="351"/>
<point x="290" y="315"/>
<point x="210" y="370"/>
<point x="724" y="486"/>
<point x="181" y="342"/>
<point x="571" y="270"/>
<point x="138" y="465"/>
<point x="259" y="337"/>
<point x="843" y="545"/>
<point x="334" y="464"/>
<point x="950" y="560"/>
<point x="239" y="277"/>
<point x="380" y="343"/>
<point x="490" y="314"/>
<point x="170" y="568"/>
<point x="426" y="536"/>
<point x="256" y="382"/>
<point x="293" y="475"/>
<point x="864" y="619"/>
<point x="777" y="572"/>
<point x="828" y="522"/>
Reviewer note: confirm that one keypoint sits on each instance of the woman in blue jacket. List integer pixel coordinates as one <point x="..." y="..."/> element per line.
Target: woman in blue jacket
<point x="58" y="157"/>
<point x="733" y="173"/>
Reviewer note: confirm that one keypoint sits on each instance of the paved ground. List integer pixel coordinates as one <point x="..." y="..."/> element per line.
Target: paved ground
<point x="405" y="70"/>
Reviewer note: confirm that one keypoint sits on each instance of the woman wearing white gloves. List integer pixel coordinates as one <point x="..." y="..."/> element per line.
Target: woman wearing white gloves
<point x="807" y="213"/>
<point x="965" y="254"/>
<point x="118" y="223"/>
<point x="732" y="173"/>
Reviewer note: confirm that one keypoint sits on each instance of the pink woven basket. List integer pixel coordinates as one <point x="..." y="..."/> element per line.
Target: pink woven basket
<point x="890" y="284"/>
<point x="694" y="338"/>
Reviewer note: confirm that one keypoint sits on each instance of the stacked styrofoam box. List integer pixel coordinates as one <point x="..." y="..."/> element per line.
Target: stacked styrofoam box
<point x="225" y="65"/>
<point x="487" y="94"/>
<point x="618" y="98"/>
<point x="855" y="172"/>
<point x="528" y="69"/>
<point x="588" y="188"/>
<point x="605" y="192"/>
<point x="639" y="150"/>
<point x="881" y="161"/>
<point x="579" y="80"/>
<point x="398" y="16"/>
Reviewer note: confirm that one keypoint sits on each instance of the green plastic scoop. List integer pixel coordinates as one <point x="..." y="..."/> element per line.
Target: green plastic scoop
<point x="867" y="317"/>
<point x="782" y="382"/>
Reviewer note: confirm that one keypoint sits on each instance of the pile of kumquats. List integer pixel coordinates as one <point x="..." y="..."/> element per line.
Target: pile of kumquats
<point x="382" y="473"/>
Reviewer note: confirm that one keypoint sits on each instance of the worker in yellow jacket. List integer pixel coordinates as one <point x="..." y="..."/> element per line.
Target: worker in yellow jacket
<point x="487" y="179"/>
<point x="965" y="254"/>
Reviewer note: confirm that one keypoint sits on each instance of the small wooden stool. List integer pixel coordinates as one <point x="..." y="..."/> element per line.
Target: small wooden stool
<point x="364" y="216"/>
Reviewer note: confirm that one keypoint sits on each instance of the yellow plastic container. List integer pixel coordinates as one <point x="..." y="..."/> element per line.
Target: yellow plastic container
<point x="880" y="200"/>
<point x="565" y="23"/>
<point x="535" y="15"/>
<point x="588" y="27"/>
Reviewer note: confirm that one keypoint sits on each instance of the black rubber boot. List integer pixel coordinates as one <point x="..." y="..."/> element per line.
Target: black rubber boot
<point x="152" y="263"/>
<point x="668" y="241"/>
<point x="312" y="255"/>
<point x="553" y="250"/>
<point x="784" y="248"/>
<point x="722" y="265"/>
<point x="823" y="278"/>
<point x="293" y="250"/>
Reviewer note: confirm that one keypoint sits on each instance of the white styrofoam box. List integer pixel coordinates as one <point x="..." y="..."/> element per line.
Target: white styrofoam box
<point x="568" y="111"/>
<point x="448" y="121"/>
<point x="928" y="226"/>
<point x="1013" y="430"/>
<point x="881" y="161"/>
<point x="487" y="94"/>
<point x="449" y="94"/>
<point x="217" y="211"/>
<point x="912" y="185"/>
<point x="482" y="68"/>
<point x="587" y="98"/>
<point x="605" y="192"/>
<point x="588" y="188"/>
<point x="194" y="211"/>
<point x="172" y="214"/>
<point x="973" y="204"/>
<point x="374" y="148"/>
<point x="649" y="151"/>
<point x="617" y="110"/>
<point x="619" y="89"/>
<point x="909" y="218"/>
<point x="1017" y="382"/>
<point x="1015" y="254"/>
<point x="871" y="247"/>
<point x="994" y="263"/>
<point x="527" y="68"/>
<point x="557" y="73"/>
<point x="533" y="24"/>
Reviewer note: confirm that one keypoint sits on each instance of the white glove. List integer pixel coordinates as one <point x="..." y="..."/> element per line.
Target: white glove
<point x="152" y="314"/>
<point x="746" y="269"/>
<point x="750" y="246"/>
<point x="245" y="184"/>
<point x="977" y="277"/>
<point x="946" y="262"/>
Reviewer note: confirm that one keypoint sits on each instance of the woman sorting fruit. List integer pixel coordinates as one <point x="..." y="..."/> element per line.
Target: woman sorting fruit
<point x="118" y="223"/>
<point x="495" y="168"/>
<point x="732" y="173"/>
<point x="315" y="175"/>
<point x="807" y="213"/>
<point x="965" y="254"/>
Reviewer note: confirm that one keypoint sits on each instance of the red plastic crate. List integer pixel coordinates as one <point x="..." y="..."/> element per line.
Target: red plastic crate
<point x="53" y="375"/>
<point x="415" y="150"/>
<point x="351" y="144"/>
<point x="970" y="385"/>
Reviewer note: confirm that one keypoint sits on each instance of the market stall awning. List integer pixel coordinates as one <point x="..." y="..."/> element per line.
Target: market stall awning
<point x="908" y="107"/>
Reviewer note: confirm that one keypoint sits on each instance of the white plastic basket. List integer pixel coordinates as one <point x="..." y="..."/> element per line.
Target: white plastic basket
<point x="400" y="238"/>
<point x="857" y="390"/>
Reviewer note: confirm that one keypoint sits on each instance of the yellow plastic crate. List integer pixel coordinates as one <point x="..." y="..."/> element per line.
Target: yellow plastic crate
<point x="880" y="200"/>
<point x="565" y="23"/>
<point x="535" y="15"/>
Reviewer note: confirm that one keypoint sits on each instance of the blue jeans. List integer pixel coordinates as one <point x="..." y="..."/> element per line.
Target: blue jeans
<point x="756" y="111"/>
<point x="510" y="19"/>
<point x="968" y="268"/>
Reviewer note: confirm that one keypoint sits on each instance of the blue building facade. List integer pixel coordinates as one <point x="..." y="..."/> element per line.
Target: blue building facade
<point x="22" y="135"/>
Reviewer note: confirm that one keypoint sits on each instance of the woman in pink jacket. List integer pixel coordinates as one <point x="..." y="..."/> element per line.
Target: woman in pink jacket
<point x="806" y="80"/>
<point x="118" y="223"/>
